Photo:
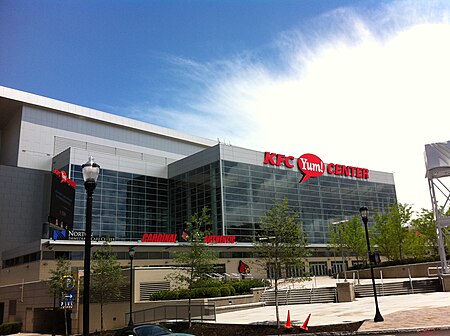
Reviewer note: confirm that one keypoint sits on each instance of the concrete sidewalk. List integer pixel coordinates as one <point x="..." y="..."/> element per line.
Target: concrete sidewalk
<point x="402" y="312"/>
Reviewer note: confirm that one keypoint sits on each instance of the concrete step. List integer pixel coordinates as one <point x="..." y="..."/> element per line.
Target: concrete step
<point x="301" y="296"/>
<point x="400" y="288"/>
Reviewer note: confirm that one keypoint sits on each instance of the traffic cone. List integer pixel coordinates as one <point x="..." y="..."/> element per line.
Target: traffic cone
<point x="305" y="324"/>
<point x="288" y="324"/>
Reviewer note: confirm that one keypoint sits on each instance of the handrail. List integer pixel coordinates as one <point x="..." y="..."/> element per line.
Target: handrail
<point x="382" y="282"/>
<point x="200" y="312"/>
<point x="410" y="280"/>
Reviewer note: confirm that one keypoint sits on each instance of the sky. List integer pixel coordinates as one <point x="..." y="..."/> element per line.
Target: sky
<point x="361" y="83"/>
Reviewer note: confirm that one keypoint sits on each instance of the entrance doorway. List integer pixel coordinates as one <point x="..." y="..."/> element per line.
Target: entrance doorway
<point x="318" y="268"/>
<point x="42" y="316"/>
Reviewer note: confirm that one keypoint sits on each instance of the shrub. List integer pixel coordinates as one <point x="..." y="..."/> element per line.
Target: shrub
<point x="8" y="328"/>
<point x="183" y="293"/>
<point x="211" y="288"/>
<point x="211" y="292"/>
<point x="232" y="290"/>
<point x="225" y="291"/>
<point x="164" y="295"/>
<point x="207" y="283"/>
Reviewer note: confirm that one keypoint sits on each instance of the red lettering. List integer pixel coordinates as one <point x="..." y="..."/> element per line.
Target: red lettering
<point x="268" y="158"/>
<point x="345" y="171"/>
<point x="210" y="239"/>
<point x="365" y="173"/>
<point x="280" y="159"/>
<point x="338" y="170"/>
<point x="359" y="172"/>
<point x="144" y="237"/>
<point x="330" y="168"/>
<point x="288" y="162"/>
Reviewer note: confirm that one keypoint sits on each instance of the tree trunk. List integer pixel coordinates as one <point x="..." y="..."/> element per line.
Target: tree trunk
<point x="101" y="316"/>
<point x="276" y="296"/>
<point x="190" y="299"/>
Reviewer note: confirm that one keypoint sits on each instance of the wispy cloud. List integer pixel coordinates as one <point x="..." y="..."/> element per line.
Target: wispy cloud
<point x="367" y="88"/>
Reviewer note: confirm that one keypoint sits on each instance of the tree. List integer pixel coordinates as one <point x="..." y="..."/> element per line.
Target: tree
<point x="351" y="236"/>
<point x="55" y="283"/>
<point x="423" y="239"/>
<point x="391" y="231"/>
<point x="107" y="278"/>
<point x="282" y="243"/>
<point x="197" y="258"/>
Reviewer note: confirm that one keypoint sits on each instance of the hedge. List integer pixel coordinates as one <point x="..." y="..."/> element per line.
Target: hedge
<point x="8" y="328"/>
<point x="209" y="289"/>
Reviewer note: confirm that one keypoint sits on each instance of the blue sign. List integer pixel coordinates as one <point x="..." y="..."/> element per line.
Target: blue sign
<point x="68" y="299"/>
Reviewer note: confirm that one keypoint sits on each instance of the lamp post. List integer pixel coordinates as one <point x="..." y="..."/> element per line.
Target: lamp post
<point x="91" y="171"/>
<point x="131" y="253"/>
<point x="364" y="212"/>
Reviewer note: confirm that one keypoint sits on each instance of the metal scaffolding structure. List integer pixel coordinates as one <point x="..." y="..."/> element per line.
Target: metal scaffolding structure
<point x="437" y="162"/>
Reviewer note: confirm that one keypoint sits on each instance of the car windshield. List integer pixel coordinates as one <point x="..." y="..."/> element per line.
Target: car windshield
<point x="151" y="330"/>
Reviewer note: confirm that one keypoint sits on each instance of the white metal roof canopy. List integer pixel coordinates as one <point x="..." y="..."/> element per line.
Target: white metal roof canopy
<point x="437" y="163"/>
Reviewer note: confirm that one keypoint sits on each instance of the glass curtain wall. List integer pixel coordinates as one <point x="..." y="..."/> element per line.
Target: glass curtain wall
<point x="125" y="205"/>
<point x="250" y="190"/>
<point x="191" y="192"/>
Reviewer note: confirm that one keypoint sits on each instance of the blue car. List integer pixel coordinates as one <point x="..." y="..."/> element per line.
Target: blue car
<point x="147" y="330"/>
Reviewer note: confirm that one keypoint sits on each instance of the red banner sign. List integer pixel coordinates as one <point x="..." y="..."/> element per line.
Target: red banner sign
<point x="220" y="239"/>
<point x="64" y="178"/>
<point x="159" y="238"/>
<point x="172" y="238"/>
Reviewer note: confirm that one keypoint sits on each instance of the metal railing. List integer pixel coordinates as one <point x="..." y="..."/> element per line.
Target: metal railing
<point x="178" y="312"/>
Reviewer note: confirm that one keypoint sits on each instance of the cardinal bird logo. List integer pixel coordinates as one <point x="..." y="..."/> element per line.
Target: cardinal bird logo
<point x="243" y="267"/>
<point x="185" y="235"/>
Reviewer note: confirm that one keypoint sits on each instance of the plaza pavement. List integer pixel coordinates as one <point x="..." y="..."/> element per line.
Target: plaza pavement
<point x="414" y="312"/>
<point x="400" y="312"/>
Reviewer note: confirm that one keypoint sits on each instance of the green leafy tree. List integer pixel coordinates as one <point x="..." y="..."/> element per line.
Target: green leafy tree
<point x="55" y="283"/>
<point x="196" y="258"/>
<point x="351" y="236"/>
<point x="423" y="237"/>
<point x="391" y="231"/>
<point x="282" y="243"/>
<point x="107" y="278"/>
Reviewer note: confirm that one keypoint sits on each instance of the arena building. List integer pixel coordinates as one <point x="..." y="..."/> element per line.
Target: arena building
<point x="152" y="180"/>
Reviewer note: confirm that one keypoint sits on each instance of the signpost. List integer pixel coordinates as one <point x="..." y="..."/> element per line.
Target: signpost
<point x="68" y="300"/>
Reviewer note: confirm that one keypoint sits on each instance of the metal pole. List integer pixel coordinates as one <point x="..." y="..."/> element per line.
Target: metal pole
<point x="378" y="317"/>
<point x="89" y="186"/>
<point x="344" y="266"/>
<point x="130" y="322"/>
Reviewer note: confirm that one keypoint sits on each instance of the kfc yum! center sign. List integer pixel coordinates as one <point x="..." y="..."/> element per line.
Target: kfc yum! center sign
<point x="311" y="165"/>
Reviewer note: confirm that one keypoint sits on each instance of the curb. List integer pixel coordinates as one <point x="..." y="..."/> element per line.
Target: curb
<point x="402" y="330"/>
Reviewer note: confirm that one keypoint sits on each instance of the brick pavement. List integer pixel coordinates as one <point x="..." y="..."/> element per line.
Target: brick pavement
<point x="423" y="318"/>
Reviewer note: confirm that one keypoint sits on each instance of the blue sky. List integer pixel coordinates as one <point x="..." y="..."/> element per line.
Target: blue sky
<point x="362" y="83"/>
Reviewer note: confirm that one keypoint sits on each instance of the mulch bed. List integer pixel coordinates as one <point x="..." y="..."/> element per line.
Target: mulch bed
<point x="210" y="329"/>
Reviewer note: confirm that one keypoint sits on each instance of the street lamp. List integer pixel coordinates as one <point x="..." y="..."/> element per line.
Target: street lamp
<point x="91" y="170"/>
<point x="364" y="212"/>
<point x="131" y="253"/>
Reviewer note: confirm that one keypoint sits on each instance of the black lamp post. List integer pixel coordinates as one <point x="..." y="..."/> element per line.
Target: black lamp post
<point x="364" y="216"/>
<point x="91" y="171"/>
<point x="131" y="252"/>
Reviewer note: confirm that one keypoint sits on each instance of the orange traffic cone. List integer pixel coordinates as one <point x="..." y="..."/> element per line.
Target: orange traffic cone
<point x="288" y="324"/>
<point x="305" y="324"/>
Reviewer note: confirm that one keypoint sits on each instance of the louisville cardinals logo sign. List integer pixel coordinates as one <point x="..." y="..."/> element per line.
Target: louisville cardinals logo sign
<point x="243" y="268"/>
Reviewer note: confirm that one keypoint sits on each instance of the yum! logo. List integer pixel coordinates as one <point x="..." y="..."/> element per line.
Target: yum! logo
<point x="311" y="165"/>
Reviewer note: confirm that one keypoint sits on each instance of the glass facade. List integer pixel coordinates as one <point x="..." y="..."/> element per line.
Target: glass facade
<point x="250" y="190"/>
<point x="191" y="192"/>
<point x="125" y="205"/>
